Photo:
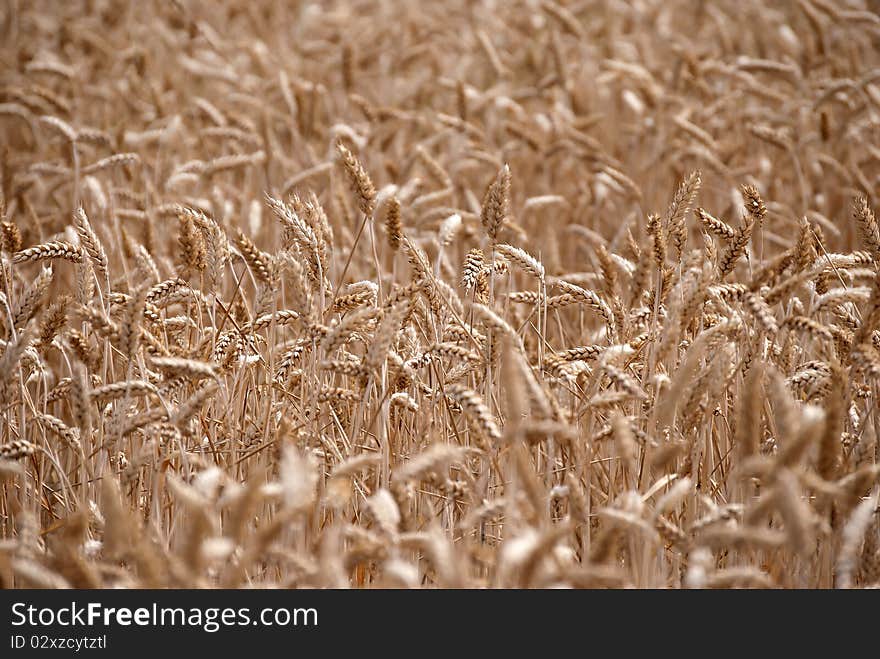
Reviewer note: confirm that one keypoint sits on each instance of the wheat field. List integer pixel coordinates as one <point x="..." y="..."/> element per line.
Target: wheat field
<point x="373" y="294"/>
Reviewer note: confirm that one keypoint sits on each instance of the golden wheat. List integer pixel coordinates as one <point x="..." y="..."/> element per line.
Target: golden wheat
<point x="622" y="329"/>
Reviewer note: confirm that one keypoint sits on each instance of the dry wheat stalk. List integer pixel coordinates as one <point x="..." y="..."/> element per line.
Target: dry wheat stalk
<point x="534" y="378"/>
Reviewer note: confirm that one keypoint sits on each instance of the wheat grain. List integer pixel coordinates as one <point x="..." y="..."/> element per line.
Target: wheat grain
<point x="554" y="388"/>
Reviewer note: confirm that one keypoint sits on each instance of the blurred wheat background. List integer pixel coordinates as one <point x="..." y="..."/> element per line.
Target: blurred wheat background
<point x="421" y="294"/>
